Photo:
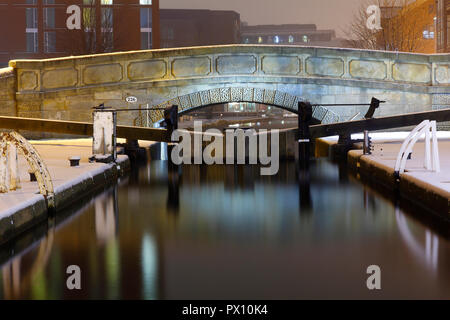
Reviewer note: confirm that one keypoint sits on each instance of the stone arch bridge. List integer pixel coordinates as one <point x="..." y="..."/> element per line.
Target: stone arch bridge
<point x="67" y="88"/>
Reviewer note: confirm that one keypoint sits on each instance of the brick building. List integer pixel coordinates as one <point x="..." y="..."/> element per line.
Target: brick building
<point x="443" y="25"/>
<point x="409" y="28"/>
<point x="187" y="27"/>
<point x="36" y="29"/>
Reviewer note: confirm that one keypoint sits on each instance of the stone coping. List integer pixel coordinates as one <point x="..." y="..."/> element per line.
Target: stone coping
<point x="234" y="48"/>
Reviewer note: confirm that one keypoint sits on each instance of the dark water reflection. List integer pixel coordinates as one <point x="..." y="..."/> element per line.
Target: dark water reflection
<point x="225" y="232"/>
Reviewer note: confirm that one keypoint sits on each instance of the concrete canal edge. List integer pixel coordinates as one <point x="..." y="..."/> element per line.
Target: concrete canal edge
<point x="34" y="211"/>
<point x="416" y="191"/>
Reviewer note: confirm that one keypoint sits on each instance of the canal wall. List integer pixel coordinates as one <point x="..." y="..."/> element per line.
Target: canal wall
<point x="25" y="208"/>
<point x="427" y="190"/>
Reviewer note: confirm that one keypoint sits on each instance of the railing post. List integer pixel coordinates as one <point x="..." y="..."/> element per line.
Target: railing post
<point x="431" y="158"/>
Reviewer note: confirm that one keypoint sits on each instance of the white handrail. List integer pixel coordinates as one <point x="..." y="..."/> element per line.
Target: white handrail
<point x="431" y="161"/>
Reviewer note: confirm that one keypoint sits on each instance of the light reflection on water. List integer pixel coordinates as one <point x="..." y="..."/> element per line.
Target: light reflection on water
<point x="224" y="232"/>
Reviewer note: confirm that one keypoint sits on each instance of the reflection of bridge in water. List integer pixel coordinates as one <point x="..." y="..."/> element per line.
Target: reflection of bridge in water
<point x="25" y="269"/>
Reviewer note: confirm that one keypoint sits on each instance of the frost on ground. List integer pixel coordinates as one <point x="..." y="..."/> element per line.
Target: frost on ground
<point x="56" y="156"/>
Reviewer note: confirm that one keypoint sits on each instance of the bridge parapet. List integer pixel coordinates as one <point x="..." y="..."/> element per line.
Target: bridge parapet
<point x="7" y="91"/>
<point x="67" y="88"/>
<point x="231" y="61"/>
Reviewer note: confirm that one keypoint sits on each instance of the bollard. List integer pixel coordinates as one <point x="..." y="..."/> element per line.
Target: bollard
<point x="74" y="161"/>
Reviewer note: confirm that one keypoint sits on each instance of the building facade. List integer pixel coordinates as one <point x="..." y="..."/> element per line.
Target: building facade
<point x="443" y="26"/>
<point x="290" y="34"/>
<point x="409" y="28"/>
<point x="188" y="28"/>
<point x="33" y="29"/>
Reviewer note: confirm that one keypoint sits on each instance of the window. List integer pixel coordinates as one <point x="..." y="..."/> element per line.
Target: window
<point x="31" y="18"/>
<point x="170" y="33"/>
<point x="32" y="41"/>
<point x="428" y="34"/>
<point x="291" y="39"/>
<point x="276" y="39"/>
<point x="107" y="29"/>
<point x="89" y="19"/>
<point x="448" y="30"/>
<point x="50" y="42"/>
<point x="305" y="38"/>
<point x="145" y="2"/>
<point x="146" y="28"/>
<point x="107" y="18"/>
<point x="31" y="29"/>
<point x="49" y="18"/>
<point x="260" y="40"/>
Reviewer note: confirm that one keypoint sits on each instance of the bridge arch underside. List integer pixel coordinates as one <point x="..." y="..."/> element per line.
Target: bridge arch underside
<point x="206" y="98"/>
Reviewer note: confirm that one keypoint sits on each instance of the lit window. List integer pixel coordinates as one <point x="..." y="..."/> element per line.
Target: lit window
<point x="291" y="39"/>
<point x="276" y="39"/>
<point x="305" y="38"/>
<point x="89" y="18"/>
<point x="260" y="39"/>
<point x="145" y="2"/>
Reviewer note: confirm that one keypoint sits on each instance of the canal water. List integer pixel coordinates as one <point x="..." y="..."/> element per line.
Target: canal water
<point x="225" y="232"/>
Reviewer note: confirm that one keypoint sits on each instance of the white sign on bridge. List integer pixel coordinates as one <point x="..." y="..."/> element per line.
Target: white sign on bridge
<point x="131" y="99"/>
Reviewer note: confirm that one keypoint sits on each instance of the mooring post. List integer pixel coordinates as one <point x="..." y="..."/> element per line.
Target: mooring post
<point x="304" y="136"/>
<point x="170" y="119"/>
<point x="170" y="122"/>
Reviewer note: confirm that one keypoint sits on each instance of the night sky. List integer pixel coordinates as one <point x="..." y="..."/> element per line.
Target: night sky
<point x="327" y="14"/>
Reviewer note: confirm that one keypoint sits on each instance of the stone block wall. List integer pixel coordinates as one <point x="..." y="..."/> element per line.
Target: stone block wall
<point x="7" y="92"/>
